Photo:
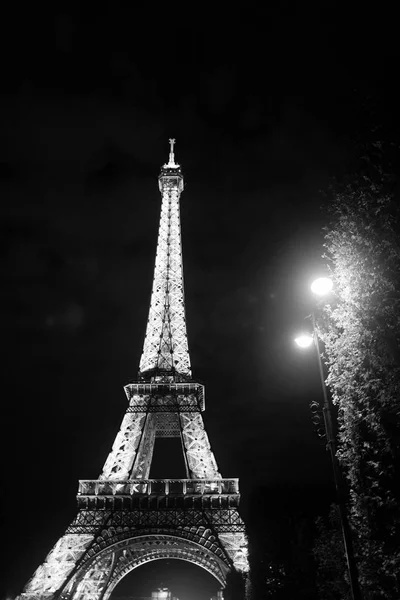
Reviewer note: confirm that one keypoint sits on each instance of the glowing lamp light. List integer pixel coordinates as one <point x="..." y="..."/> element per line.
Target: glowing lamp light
<point x="304" y="340"/>
<point x="322" y="286"/>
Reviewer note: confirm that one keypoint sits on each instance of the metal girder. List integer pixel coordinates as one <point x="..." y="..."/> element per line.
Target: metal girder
<point x="150" y="548"/>
<point x="158" y="487"/>
<point x="165" y="346"/>
<point x="201" y="460"/>
<point x="59" y="564"/>
<point x="117" y="555"/>
<point x="142" y="464"/>
<point x="171" y="402"/>
<point x="91" y="583"/>
<point x="122" y="456"/>
<point x="96" y="563"/>
<point x="162" y="396"/>
<point x="225" y="520"/>
<point x="135" y="428"/>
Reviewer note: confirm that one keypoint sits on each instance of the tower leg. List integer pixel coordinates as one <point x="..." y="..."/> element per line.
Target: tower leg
<point x="123" y="453"/>
<point x="59" y="564"/>
<point x="200" y="459"/>
<point x="142" y="464"/>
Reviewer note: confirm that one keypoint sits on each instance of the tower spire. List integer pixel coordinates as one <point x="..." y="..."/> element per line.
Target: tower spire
<point x="171" y="162"/>
<point x="165" y="350"/>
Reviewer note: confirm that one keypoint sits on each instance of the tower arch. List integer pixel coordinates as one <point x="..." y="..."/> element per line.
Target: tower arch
<point x="138" y="551"/>
<point x="115" y="556"/>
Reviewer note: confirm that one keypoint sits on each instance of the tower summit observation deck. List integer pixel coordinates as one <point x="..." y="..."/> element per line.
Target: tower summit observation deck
<point x="124" y="518"/>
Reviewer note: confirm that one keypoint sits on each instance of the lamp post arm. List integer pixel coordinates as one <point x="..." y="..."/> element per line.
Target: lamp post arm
<point x="326" y="409"/>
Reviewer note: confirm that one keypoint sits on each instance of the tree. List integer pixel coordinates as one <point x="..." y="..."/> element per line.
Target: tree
<point x="331" y="580"/>
<point x="281" y="530"/>
<point x="361" y="331"/>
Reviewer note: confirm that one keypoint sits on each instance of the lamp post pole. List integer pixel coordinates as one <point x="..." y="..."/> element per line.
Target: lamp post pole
<point x="339" y="485"/>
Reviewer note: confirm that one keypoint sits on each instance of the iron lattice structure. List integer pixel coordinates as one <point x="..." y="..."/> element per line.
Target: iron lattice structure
<point x="124" y="518"/>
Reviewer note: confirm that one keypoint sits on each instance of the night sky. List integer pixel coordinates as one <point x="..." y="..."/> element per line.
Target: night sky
<point x="266" y="106"/>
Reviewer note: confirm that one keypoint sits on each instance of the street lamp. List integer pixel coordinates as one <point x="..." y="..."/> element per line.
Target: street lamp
<point x="322" y="287"/>
<point x="304" y="340"/>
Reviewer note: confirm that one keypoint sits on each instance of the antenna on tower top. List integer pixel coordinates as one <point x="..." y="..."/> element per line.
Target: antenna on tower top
<point x="171" y="150"/>
<point x="171" y="163"/>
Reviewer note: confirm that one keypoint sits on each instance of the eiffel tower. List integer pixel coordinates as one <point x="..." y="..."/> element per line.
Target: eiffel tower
<point x="124" y="518"/>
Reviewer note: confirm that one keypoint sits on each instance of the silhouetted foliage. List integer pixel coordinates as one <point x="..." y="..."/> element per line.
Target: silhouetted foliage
<point x="361" y="331"/>
<point x="281" y="532"/>
<point x="332" y="582"/>
<point x="235" y="586"/>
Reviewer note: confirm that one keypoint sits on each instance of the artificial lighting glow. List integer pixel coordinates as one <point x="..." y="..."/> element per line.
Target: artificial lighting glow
<point x="322" y="286"/>
<point x="304" y="341"/>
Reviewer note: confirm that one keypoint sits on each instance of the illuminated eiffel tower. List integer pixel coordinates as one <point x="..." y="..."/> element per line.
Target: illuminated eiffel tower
<point x="124" y="518"/>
